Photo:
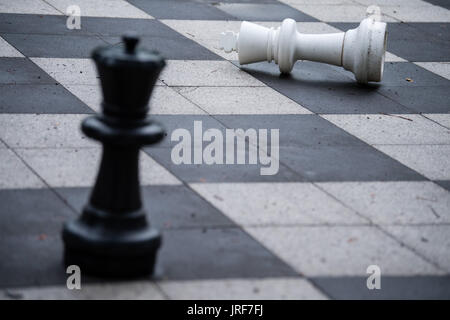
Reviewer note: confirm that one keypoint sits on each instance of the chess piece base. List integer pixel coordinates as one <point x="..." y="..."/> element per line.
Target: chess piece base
<point x="110" y="245"/>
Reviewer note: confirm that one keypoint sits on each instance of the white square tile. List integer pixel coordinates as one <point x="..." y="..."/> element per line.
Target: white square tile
<point x="440" y="68"/>
<point x="442" y="118"/>
<point x="244" y="100"/>
<point x="206" y="73"/>
<point x="102" y="8"/>
<point x="7" y="50"/>
<point x="242" y="289"/>
<point x="338" y="13"/>
<point x="164" y="100"/>
<point x="432" y="161"/>
<point x="286" y="204"/>
<point x="27" y="7"/>
<point x="43" y="131"/>
<point x="402" y="202"/>
<point x="144" y="290"/>
<point x="390" y="57"/>
<point x="15" y="174"/>
<point x="68" y="71"/>
<point x="90" y="94"/>
<point x="340" y="251"/>
<point x="70" y="167"/>
<point x="207" y="33"/>
<point x="392" y="129"/>
<point x="433" y="242"/>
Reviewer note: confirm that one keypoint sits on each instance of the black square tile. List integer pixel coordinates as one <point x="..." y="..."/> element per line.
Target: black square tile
<point x="181" y="10"/>
<point x="392" y="287"/>
<point x="264" y="12"/>
<point x="420" y="99"/>
<point x="32" y="98"/>
<point x="167" y="207"/>
<point x="189" y="254"/>
<point x="322" y="89"/>
<point x="31" y="212"/>
<point x="442" y="3"/>
<point x="345" y="163"/>
<point x="396" y="74"/>
<point x="172" y="48"/>
<point x="39" y="24"/>
<point x="222" y="172"/>
<point x="444" y="184"/>
<point x="294" y="130"/>
<point x="118" y="26"/>
<point x="30" y="261"/>
<point x="54" y="46"/>
<point x="22" y="71"/>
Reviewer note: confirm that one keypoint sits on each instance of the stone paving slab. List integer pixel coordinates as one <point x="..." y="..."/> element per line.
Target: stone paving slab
<point x="363" y="172"/>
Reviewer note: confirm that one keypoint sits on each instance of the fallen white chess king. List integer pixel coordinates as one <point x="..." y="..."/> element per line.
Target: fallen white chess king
<point x="359" y="50"/>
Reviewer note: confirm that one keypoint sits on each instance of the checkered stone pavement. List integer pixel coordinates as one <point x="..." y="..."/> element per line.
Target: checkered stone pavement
<point x="364" y="172"/>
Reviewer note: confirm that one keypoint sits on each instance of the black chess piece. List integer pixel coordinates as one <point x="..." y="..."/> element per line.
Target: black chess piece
<point x="113" y="237"/>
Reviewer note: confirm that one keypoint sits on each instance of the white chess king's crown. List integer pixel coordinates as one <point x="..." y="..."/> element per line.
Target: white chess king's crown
<point x="359" y="50"/>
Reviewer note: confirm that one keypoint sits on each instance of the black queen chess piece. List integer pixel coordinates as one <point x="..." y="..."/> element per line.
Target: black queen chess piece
<point x="113" y="237"/>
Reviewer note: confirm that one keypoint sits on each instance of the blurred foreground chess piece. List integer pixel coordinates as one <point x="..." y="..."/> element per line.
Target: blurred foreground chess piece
<point x="359" y="50"/>
<point x="112" y="237"/>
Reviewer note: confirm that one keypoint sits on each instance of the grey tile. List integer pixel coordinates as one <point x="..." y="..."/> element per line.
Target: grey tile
<point x="174" y="122"/>
<point x="264" y="12"/>
<point x="31" y="212"/>
<point x="277" y="204"/>
<point x="39" y="24"/>
<point x="32" y="261"/>
<point x="392" y="129"/>
<point x="179" y="9"/>
<point x="117" y="27"/>
<point x="405" y="288"/>
<point x="130" y="290"/>
<point x="221" y="172"/>
<point x="167" y="207"/>
<point x="420" y="99"/>
<point x="295" y="130"/>
<point x="322" y="89"/>
<point x="442" y="3"/>
<point x="14" y="172"/>
<point x="340" y="250"/>
<point x="295" y="288"/>
<point x="100" y="8"/>
<point x="216" y="254"/>
<point x="54" y="46"/>
<point x="430" y="241"/>
<point x="180" y="48"/>
<point x="22" y="71"/>
<point x="397" y="73"/>
<point x="432" y="161"/>
<point x="345" y="163"/>
<point x="37" y="98"/>
<point x="444" y="184"/>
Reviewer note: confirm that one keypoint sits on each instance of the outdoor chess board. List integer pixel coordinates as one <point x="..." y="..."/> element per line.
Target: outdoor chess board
<point x="364" y="171"/>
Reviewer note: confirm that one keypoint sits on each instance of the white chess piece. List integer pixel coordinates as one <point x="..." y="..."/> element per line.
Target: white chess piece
<point x="359" y="50"/>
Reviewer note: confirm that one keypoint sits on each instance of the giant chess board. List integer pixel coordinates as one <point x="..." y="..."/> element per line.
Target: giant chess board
<point x="363" y="173"/>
